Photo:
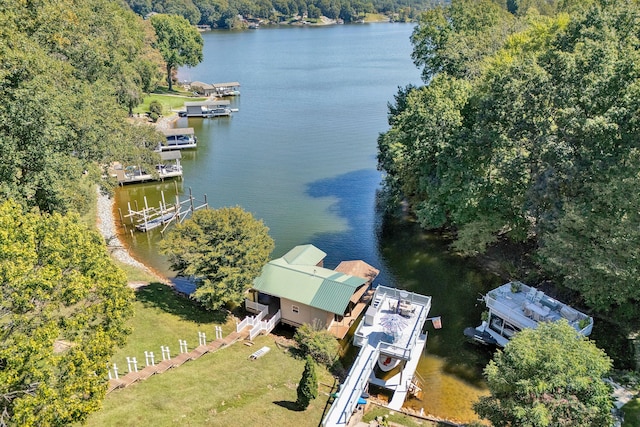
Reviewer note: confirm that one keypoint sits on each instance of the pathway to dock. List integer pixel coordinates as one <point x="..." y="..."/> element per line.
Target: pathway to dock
<point x="143" y="374"/>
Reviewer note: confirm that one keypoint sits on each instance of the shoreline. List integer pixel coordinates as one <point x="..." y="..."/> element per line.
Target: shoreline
<point x="106" y="225"/>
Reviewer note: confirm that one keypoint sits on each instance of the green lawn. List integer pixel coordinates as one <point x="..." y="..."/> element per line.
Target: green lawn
<point x="169" y="101"/>
<point x="162" y="317"/>
<point x="224" y="388"/>
<point x="632" y="413"/>
<point x="398" y="418"/>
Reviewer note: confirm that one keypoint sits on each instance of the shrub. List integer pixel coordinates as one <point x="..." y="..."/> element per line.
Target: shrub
<point x="155" y="107"/>
<point x="308" y="386"/>
<point x="318" y="343"/>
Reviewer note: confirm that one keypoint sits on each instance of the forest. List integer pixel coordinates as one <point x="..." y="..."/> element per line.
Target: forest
<point x="525" y="135"/>
<point x="235" y="13"/>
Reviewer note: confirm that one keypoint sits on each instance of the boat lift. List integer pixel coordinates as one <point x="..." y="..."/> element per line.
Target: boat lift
<point x="150" y="218"/>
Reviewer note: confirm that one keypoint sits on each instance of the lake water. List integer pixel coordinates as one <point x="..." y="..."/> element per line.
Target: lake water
<point x="301" y="154"/>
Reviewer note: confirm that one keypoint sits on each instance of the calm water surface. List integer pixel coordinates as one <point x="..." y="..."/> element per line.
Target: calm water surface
<point x="301" y="155"/>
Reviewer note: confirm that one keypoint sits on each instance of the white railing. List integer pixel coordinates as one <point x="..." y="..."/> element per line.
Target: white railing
<point x="273" y="321"/>
<point x="351" y="391"/>
<point x="248" y="321"/>
<point x="255" y="331"/>
<point x="253" y="320"/>
<point x="260" y="325"/>
<point x="255" y="306"/>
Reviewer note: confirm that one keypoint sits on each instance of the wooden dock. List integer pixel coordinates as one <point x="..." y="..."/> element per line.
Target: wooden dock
<point x="163" y="366"/>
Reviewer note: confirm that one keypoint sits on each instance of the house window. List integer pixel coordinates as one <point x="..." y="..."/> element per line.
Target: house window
<point x="295" y="308"/>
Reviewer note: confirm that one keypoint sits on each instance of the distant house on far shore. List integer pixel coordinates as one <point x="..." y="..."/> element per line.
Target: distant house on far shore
<point x="305" y="291"/>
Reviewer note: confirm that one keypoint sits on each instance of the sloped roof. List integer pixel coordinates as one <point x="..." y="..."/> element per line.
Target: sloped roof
<point x="304" y="255"/>
<point x="308" y="284"/>
<point x="201" y="85"/>
<point x="225" y="85"/>
<point x="178" y="131"/>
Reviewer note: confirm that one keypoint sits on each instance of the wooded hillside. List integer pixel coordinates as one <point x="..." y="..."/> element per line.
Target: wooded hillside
<point x="232" y="13"/>
<point x="526" y="131"/>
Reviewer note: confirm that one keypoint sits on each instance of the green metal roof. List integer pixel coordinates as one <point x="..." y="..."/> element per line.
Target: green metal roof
<point x="304" y="255"/>
<point x="317" y="287"/>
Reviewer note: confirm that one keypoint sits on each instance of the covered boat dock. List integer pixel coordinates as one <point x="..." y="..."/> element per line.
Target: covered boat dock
<point x="178" y="139"/>
<point x="209" y="108"/>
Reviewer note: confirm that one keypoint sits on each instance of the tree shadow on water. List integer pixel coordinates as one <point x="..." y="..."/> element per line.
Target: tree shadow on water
<point x="287" y="404"/>
<point x="165" y="298"/>
<point x="355" y="201"/>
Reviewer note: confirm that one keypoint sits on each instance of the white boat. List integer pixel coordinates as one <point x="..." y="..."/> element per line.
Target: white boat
<point x="515" y="306"/>
<point x="178" y="139"/>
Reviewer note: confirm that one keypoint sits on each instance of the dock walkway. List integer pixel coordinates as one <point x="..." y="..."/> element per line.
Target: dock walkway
<point x="163" y="366"/>
<point x="383" y="332"/>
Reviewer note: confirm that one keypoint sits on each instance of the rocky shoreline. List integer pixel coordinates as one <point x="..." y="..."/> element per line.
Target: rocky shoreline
<point x="106" y="225"/>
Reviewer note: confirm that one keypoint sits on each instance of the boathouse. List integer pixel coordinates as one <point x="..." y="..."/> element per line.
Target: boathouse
<point x="227" y="89"/>
<point x="206" y="108"/>
<point x="201" y="88"/>
<point x="178" y="138"/>
<point x="169" y="167"/>
<point x="305" y="291"/>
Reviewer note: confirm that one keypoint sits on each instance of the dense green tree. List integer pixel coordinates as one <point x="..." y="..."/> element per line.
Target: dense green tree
<point x="549" y="376"/>
<point x="65" y="77"/>
<point x="456" y="38"/>
<point x="178" y="41"/>
<point x="63" y="305"/>
<point x="532" y="139"/>
<point x="308" y="386"/>
<point x="224" y="13"/>
<point x="185" y="8"/>
<point x="223" y="249"/>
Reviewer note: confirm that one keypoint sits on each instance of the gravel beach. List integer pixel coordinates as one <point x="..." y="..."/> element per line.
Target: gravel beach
<point x="106" y="224"/>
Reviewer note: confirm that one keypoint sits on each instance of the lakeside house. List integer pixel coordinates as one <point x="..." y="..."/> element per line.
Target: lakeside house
<point x="304" y="291"/>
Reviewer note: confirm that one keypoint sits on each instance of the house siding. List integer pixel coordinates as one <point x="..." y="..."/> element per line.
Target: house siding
<point x="305" y="314"/>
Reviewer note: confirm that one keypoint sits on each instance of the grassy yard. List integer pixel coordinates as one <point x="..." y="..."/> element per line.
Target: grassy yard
<point x="632" y="413"/>
<point x="169" y="101"/>
<point x="162" y="317"/>
<point x="224" y="388"/>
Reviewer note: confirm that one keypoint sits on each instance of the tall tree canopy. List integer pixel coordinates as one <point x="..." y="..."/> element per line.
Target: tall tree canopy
<point x="178" y="41"/>
<point x="223" y="249"/>
<point x="549" y="376"/>
<point x="68" y="73"/>
<point x="526" y="131"/>
<point x="63" y="306"/>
